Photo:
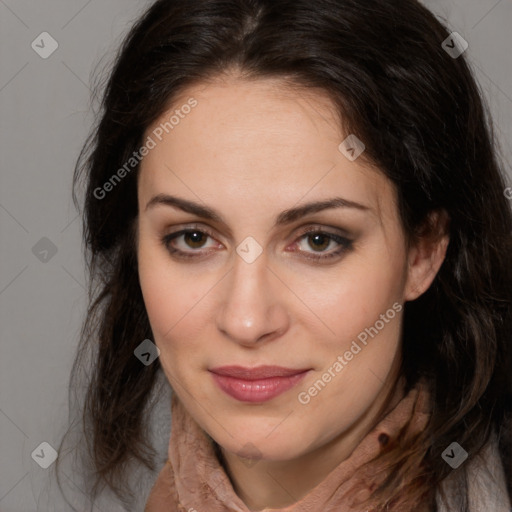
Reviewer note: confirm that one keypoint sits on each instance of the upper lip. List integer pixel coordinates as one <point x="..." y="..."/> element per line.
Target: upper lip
<point x="258" y="372"/>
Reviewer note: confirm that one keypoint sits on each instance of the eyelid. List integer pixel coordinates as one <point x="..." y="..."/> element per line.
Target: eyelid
<point x="315" y="228"/>
<point x="192" y="227"/>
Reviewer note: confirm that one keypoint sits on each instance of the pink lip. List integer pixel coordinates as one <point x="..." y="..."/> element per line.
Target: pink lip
<point x="258" y="384"/>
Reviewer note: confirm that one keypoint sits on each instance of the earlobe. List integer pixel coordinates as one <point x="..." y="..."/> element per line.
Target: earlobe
<point x="426" y="254"/>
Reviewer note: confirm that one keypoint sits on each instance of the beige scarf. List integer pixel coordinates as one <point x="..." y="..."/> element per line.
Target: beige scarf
<point x="193" y="480"/>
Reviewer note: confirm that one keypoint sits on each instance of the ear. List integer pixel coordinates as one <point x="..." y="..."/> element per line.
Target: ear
<point x="426" y="254"/>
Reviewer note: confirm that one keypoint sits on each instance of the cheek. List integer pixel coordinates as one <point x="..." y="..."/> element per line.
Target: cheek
<point x="353" y="298"/>
<point x="173" y="300"/>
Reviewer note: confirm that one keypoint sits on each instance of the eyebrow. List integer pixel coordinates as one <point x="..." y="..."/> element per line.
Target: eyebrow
<point x="286" y="217"/>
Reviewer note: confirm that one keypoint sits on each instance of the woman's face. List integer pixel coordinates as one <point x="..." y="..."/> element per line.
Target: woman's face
<point x="246" y="171"/>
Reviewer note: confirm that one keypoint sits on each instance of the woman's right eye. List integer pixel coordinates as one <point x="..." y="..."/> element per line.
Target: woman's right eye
<point x="178" y="243"/>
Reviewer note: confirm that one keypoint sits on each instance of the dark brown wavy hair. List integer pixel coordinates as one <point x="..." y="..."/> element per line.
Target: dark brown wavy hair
<point x="421" y="116"/>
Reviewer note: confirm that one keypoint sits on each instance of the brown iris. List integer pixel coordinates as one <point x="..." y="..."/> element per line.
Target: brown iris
<point x="323" y="241"/>
<point x="195" y="237"/>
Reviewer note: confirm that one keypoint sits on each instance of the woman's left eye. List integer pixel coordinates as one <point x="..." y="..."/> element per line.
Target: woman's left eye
<point x="316" y="239"/>
<point x="320" y="241"/>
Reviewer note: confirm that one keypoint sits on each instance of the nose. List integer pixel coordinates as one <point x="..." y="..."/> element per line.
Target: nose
<point x="252" y="310"/>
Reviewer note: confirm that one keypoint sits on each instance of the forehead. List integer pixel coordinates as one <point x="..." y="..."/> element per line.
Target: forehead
<point x="260" y="142"/>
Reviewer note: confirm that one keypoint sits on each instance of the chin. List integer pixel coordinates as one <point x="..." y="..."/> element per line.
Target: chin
<point x="254" y="446"/>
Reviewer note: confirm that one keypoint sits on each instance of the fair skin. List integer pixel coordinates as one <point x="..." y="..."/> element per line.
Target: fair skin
<point x="250" y="150"/>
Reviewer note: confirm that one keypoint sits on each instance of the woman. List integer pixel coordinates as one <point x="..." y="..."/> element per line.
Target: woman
<point x="294" y="210"/>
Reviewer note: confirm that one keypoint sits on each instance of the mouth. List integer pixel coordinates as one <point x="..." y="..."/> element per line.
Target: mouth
<point x="256" y="385"/>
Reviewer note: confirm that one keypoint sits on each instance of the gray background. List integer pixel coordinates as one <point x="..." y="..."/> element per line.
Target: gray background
<point x="45" y="117"/>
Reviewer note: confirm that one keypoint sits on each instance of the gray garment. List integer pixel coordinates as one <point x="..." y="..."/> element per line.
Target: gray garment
<point x="487" y="488"/>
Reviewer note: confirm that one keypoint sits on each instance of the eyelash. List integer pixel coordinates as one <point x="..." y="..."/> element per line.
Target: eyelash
<point x="345" y="243"/>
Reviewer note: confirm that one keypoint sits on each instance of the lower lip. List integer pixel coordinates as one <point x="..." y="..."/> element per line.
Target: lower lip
<point x="259" y="390"/>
